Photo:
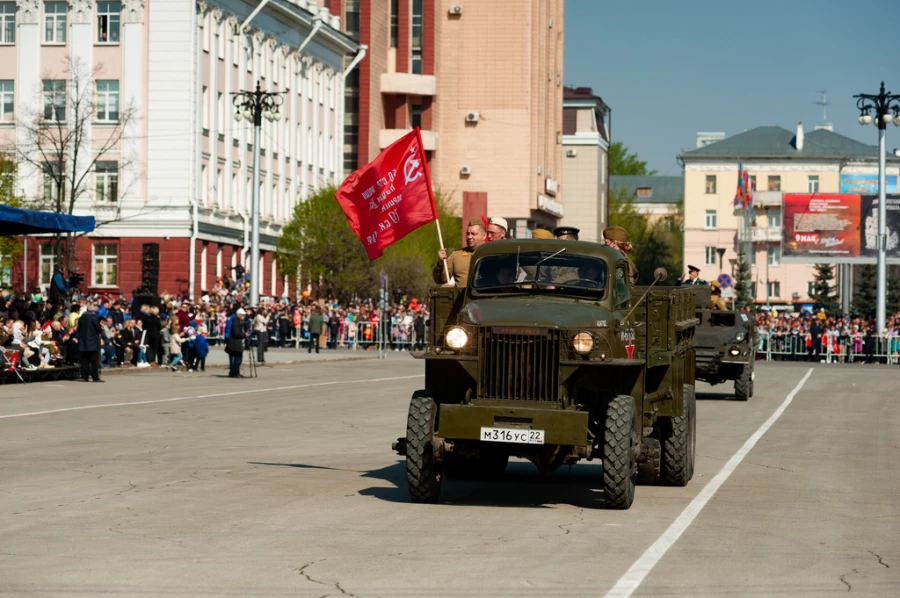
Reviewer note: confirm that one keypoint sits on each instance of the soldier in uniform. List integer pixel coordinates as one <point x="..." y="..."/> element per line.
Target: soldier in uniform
<point x="617" y="238"/>
<point x="458" y="261"/>
<point x="566" y="233"/>
<point x="541" y="233"/>
<point x="716" y="301"/>
<point x="692" y="277"/>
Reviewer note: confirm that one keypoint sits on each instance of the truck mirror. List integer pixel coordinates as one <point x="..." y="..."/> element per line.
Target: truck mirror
<point x="660" y="274"/>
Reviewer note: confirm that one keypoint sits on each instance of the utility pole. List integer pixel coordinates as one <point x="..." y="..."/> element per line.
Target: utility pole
<point x="253" y="106"/>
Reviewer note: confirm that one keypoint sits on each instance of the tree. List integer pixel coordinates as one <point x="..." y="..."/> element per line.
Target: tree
<point x="659" y="244"/>
<point x="743" y="284"/>
<point x="624" y="162"/>
<point x="864" y="297"/>
<point x="824" y="292"/>
<point x="60" y="143"/>
<point x="10" y="247"/>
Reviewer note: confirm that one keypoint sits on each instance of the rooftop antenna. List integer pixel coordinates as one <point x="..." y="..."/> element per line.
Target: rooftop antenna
<point x="823" y="103"/>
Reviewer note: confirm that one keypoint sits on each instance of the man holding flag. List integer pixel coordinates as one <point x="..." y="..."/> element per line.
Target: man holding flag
<point x="457" y="263"/>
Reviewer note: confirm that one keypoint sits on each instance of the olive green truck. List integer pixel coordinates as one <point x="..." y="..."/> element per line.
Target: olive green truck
<point x="548" y="355"/>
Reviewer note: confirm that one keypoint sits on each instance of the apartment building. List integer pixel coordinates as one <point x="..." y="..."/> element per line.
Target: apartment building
<point x="778" y="161"/>
<point x="585" y="169"/>
<point x="656" y="196"/>
<point x="482" y="80"/>
<point x="179" y="177"/>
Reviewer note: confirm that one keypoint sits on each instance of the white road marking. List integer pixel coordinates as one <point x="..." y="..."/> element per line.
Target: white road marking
<point x="209" y="396"/>
<point x="633" y="578"/>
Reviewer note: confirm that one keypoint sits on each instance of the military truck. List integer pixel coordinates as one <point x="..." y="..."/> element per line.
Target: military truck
<point x="725" y="343"/>
<point x="548" y="355"/>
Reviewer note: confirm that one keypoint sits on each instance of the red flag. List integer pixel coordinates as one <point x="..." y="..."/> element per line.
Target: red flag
<point x="391" y="197"/>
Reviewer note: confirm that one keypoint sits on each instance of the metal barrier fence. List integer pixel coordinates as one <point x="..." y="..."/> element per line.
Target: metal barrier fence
<point x="355" y="337"/>
<point x="829" y="348"/>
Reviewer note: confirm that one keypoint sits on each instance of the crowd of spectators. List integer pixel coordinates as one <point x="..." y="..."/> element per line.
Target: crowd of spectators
<point x="175" y="333"/>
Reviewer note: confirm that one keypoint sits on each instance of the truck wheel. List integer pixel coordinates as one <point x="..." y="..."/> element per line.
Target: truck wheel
<point x="619" y="463"/>
<point x="679" y="440"/>
<point x="491" y="466"/>
<point x="743" y="386"/>
<point x="423" y="473"/>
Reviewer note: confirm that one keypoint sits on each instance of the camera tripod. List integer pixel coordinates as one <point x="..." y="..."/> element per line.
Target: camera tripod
<point x="251" y="361"/>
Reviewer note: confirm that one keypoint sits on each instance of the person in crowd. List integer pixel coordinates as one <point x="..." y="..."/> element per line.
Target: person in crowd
<point x="175" y="342"/>
<point x="316" y="323"/>
<point x="234" y="342"/>
<point x="89" y="333"/>
<point x="261" y="329"/>
<point x="200" y="350"/>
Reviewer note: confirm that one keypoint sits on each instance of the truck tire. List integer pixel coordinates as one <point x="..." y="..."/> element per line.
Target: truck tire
<point x="679" y="442"/>
<point x="423" y="473"/>
<point x="491" y="466"/>
<point x="619" y="459"/>
<point x="743" y="386"/>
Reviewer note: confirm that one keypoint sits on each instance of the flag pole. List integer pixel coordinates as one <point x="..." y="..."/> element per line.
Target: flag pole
<point x="441" y="241"/>
<point x="433" y="203"/>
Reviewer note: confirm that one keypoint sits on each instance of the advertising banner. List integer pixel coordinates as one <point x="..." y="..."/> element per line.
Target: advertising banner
<point x="837" y="228"/>
<point x="866" y="184"/>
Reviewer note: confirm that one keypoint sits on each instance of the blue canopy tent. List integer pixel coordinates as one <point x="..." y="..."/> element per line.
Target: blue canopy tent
<point x="15" y="221"/>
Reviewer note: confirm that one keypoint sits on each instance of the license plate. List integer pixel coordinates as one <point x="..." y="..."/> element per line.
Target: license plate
<point x="510" y="435"/>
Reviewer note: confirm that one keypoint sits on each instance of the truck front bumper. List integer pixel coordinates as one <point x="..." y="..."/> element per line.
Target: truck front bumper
<point x="464" y="422"/>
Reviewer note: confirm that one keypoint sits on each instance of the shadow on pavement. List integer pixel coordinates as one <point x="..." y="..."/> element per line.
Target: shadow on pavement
<point x="715" y="396"/>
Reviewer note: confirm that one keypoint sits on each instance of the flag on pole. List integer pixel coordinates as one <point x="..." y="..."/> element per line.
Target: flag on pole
<point x="740" y="195"/>
<point x="391" y="197"/>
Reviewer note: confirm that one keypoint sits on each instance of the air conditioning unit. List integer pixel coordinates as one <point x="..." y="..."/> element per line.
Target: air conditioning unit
<point x="472" y="117"/>
<point x="571" y="152"/>
<point x="455" y="9"/>
<point x="465" y="170"/>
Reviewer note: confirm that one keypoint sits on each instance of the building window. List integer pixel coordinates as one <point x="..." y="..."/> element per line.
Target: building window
<point x="710" y="253"/>
<point x="54" y="183"/>
<point x="416" y="45"/>
<point x="7" y="100"/>
<point x="774" y="183"/>
<point x="711" y="183"/>
<point x="106" y="265"/>
<point x="107" y="100"/>
<point x="810" y="288"/>
<point x="753" y="182"/>
<point x="774" y="290"/>
<point x="710" y="221"/>
<point x="415" y="116"/>
<point x="351" y="19"/>
<point x="773" y="217"/>
<point x="220" y="113"/>
<point x="774" y="256"/>
<point x="7" y="22"/>
<point x="812" y="184"/>
<point x="395" y="23"/>
<point x="107" y="180"/>
<point x="644" y="192"/>
<point x="55" y="99"/>
<point x="204" y="97"/>
<point x="48" y="263"/>
<point x="54" y="22"/>
<point x="108" y="22"/>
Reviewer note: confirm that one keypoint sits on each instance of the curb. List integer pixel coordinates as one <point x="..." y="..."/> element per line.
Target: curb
<point x="131" y="370"/>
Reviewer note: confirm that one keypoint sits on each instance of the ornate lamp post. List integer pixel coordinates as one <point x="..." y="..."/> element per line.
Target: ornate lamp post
<point x="253" y="106"/>
<point x="886" y="108"/>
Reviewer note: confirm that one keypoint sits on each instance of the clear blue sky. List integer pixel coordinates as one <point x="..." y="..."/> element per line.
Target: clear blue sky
<point x="670" y="69"/>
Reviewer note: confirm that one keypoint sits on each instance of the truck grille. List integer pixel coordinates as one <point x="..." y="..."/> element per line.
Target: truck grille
<point x="518" y="366"/>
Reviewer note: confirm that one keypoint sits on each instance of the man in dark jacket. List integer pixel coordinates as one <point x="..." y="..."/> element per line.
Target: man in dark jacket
<point x="89" y="332"/>
<point x="234" y="342"/>
<point x="316" y="323"/>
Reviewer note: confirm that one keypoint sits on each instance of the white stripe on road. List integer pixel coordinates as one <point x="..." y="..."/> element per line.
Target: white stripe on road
<point x="633" y="578"/>
<point x="210" y="396"/>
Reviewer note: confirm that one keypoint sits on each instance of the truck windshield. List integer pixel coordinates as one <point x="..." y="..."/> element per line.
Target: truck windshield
<point x="540" y="271"/>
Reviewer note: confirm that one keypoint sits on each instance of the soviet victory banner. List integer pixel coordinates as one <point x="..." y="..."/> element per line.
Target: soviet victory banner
<point x="391" y="197"/>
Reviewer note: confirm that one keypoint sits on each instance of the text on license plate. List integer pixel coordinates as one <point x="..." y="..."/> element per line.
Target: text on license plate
<point x="509" y="435"/>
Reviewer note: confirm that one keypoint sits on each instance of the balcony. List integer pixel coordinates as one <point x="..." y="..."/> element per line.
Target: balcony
<point x="389" y="136"/>
<point x="767" y="199"/>
<point x="409" y="84"/>
<point x="766" y="234"/>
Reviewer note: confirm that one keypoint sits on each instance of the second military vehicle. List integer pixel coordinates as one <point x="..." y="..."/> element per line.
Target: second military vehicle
<point x="548" y="355"/>
<point x="725" y="343"/>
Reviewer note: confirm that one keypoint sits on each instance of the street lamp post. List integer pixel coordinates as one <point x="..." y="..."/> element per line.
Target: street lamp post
<point x="253" y="106"/>
<point x="886" y="108"/>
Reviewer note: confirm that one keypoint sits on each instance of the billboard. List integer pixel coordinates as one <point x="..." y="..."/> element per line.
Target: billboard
<point x="837" y="228"/>
<point x="866" y="184"/>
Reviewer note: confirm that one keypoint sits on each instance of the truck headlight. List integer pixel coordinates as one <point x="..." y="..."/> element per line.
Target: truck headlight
<point x="739" y="337"/>
<point x="456" y="338"/>
<point x="583" y="343"/>
<point x="735" y="351"/>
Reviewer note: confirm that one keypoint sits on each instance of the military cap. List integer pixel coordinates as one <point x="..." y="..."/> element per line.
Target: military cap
<point x="476" y="222"/>
<point x="616" y="233"/>
<point x="501" y="222"/>
<point x="693" y="268"/>
<point x="540" y="233"/>
<point x="560" y="231"/>
<point x="715" y="285"/>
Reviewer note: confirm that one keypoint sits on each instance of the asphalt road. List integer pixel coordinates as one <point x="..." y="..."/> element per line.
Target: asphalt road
<point x="193" y="484"/>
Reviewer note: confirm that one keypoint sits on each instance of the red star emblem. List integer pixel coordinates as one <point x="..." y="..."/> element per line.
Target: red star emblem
<point x="629" y="348"/>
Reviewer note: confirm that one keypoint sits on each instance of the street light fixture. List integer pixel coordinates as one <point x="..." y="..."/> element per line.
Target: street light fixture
<point x="254" y="105"/>
<point x="886" y="108"/>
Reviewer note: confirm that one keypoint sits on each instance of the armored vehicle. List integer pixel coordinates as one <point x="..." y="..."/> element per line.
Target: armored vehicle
<point x="548" y="355"/>
<point x="725" y="342"/>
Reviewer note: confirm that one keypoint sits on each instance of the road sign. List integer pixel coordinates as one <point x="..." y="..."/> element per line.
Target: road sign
<point x="724" y="280"/>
